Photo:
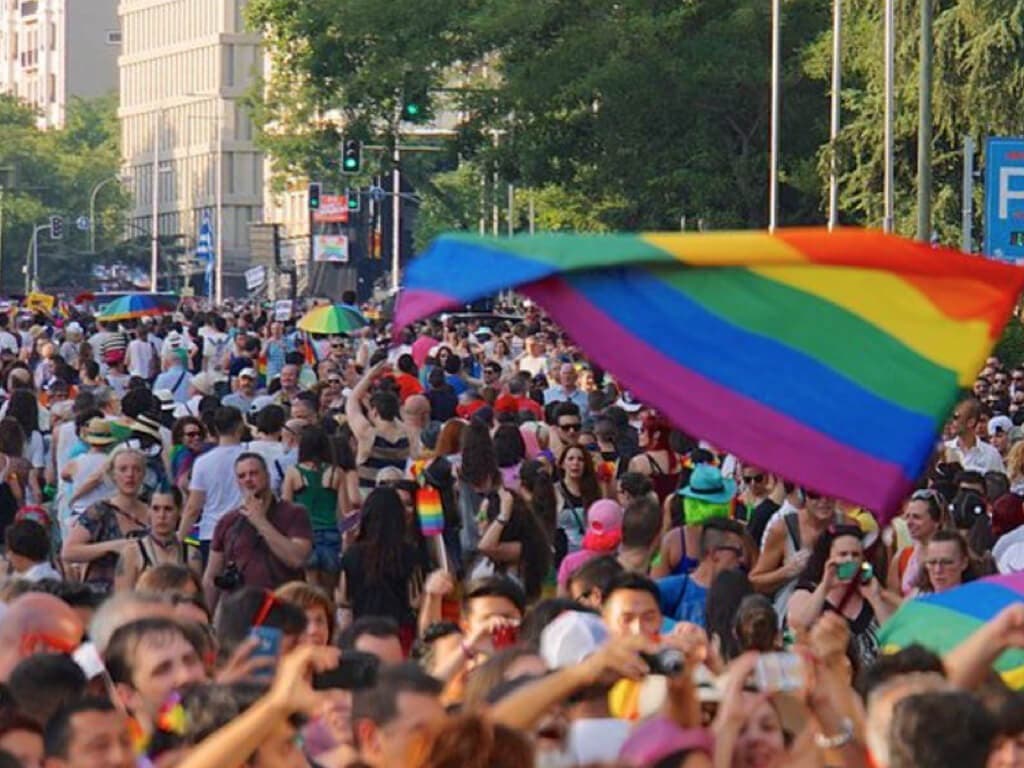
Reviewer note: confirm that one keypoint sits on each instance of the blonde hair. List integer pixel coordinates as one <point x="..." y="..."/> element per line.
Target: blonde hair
<point x="1015" y="462"/>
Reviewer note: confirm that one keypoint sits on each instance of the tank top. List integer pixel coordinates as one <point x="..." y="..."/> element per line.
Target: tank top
<point x="320" y="501"/>
<point x="664" y="483"/>
<point x="384" y="453"/>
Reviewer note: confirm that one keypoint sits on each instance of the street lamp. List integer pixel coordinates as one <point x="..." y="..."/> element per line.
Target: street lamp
<point x="92" y="207"/>
<point x="219" y="183"/>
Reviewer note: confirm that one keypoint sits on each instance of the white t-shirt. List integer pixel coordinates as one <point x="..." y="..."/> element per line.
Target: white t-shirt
<point x="214" y="474"/>
<point x="8" y="342"/>
<point x="270" y="451"/>
<point x="981" y="457"/>
<point x="141" y="354"/>
<point x="215" y="346"/>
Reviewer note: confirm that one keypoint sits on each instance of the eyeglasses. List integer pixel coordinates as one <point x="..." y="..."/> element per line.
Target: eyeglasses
<point x="759" y="478"/>
<point x="334" y="381"/>
<point x="940" y="562"/>
<point x="193" y="433"/>
<point x="570" y="426"/>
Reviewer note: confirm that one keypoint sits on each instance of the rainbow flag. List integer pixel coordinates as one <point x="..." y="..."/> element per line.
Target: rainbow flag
<point x="429" y="508"/>
<point x="831" y="359"/>
<point x="942" y="621"/>
<point x="309" y="351"/>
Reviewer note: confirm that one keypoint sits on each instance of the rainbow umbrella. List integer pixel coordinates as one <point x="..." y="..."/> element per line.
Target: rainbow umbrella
<point x="333" y="319"/>
<point x="136" y="305"/>
<point x="943" y="621"/>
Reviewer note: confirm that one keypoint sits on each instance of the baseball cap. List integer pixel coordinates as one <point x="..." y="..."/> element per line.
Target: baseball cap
<point x="571" y="638"/>
<point x="999" y="424"/>
<point x="656" y="738"/>
<point x="261" y="402"/>
<point x="248" y="373"/>
<point x="604" y="526"/>
<point x="628" y="403"/>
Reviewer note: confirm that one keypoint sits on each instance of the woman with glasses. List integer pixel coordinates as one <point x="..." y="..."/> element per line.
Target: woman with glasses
<point x="945" y="564"/>
<point x="160" y="546"/>
<point x="837" y="580"/>
<point x="925" y="515"/>
<point x="188" y="442"/>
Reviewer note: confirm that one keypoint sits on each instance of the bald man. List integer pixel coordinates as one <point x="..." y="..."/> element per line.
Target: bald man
<point x="416" y="412"/>
<point x="37" y="623"/>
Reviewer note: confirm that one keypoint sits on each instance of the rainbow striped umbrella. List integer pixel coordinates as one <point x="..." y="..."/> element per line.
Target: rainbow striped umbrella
<point x="829" y="358"/>
<point x="333" y="319"/>
<point x="943" y="621"/>
<point x="136" y="305"/>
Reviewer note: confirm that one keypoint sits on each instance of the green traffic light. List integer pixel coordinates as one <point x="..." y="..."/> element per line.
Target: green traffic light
<point x="412" y="110"/>
<point x="350" y="163"/>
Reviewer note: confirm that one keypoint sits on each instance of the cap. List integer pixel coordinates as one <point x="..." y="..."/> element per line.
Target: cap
<point x="628" y="403"/>
<point x="604" y="526"/>
<point x="571" y="638"/>
<point x="173" y="341"/>
<point x="73" y="328"/>
<point x="166" y="398"/>
<point x="506" y="404"/>
<point x="999" y="425"/>
<point x="261" y="402"/>
<point x="248" y="373"/>
<point x="656" y="738"/>
<point x="206" y="381"/>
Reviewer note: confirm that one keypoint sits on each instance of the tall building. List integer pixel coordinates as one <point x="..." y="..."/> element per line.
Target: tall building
<point x="184" y="66"/>
<point x="52" y="50"/>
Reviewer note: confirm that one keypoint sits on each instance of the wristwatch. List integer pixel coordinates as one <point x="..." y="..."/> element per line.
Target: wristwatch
<point x="841" y="739"/>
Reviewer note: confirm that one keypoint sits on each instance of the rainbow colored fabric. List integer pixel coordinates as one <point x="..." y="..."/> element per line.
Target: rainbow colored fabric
<point x="941" y="622"/>
<point x="831" y="359"/>
<point x="429" y="507"/>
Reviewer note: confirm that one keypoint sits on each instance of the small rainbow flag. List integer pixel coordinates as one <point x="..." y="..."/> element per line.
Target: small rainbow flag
<point x="309" y="351"/>
<point x="429" y="508"/>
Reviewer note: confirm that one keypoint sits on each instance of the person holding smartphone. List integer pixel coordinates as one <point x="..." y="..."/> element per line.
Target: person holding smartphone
<point x="837" y="579"/>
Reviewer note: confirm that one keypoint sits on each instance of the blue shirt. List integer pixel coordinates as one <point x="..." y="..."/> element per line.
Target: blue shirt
<point x="557" y="394"/>
<point x="683" y="599"/>
<point x="177" y="380"/>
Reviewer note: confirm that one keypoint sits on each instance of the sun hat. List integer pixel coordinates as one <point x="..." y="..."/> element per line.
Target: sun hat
<point x="98" y="432"/>
<point x="206" y="382"/>
<point x="656" y="738"/>
<point x="707" y="484"/>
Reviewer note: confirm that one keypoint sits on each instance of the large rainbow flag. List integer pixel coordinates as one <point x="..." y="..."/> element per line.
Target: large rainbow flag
<point x="830" y="358"/>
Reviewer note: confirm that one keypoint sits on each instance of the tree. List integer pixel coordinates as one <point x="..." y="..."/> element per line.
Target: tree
<point x="53" y="173"/>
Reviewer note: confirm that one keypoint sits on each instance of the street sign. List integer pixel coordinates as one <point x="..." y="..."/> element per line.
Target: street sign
<point x="82" y="223"/>
<point x="1004" y="199"/>
<point x="377" y="193"/>
<point x="255" y="277"/>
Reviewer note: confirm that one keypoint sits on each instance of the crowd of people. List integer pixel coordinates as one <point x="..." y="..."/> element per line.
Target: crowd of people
<point x="227" y="543"/>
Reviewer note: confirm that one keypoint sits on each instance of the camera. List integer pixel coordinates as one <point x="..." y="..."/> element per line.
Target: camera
<point x="230" y="580"/>
<point x="669" y="662"/>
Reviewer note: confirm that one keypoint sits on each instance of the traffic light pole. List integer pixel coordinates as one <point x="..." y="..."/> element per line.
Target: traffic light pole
<point x="396" y="214"/>
<point x="32" y="268"/>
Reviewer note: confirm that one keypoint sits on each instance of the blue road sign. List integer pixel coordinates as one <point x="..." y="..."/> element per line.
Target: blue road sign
<point x="83" y="223"/>
<point x="1004" y="199"/>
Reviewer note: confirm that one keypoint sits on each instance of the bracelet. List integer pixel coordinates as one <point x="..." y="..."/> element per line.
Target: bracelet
<point x="841" y="739"/>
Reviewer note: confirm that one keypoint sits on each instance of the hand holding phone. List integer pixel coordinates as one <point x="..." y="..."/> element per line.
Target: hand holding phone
<point x="779" y="673"/>
<point x="268" y="646"/>
<point x="356" y="670"/>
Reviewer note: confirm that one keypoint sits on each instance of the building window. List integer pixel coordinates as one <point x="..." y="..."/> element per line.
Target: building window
<point x="52" y="87"/>
<point x="113" y="37"/>
<point x="29" y="8"/>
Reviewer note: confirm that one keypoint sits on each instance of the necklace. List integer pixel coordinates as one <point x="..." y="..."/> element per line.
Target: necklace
<point x="171" y="542"/>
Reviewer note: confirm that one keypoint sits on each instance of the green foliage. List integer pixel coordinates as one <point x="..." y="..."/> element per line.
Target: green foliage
<point x="48" y="173"/>
<point x="1010" y="348"/>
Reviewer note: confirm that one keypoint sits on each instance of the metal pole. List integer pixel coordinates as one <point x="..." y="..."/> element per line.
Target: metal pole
<point x="967" y="217"/>
<point x="495" y="215"/>
<point x="773" y="170"/>
<point x="837" y="77"/>
<point x="511" y="209"/>
<point x="154" y="226"/>
<point x="533" y="216"/>
<point x="219" y="235"/>
<point x="888" y="218"/>
<point x="35" y="259"/>
<point x="1" y="237"/>
<point x="483" y="203"/>
<point x="924" y="129"/>
<point x="396" y="215"/>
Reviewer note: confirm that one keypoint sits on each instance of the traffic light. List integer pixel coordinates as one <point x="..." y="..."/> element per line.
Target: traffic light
<point x="351" y="156"/>
<point x="414" y="104"/>
<point x="352" y="196"/>
<point x="314" y="195"/>
<point x="56" y="227"/>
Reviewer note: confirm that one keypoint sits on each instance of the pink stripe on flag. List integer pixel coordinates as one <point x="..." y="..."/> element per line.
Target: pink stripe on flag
<point x="729" y="420"/>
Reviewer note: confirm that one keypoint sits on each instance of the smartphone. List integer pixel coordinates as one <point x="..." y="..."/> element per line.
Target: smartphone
<point x="846" y="571"/>
<point x="269" y="645"/>
<point x="867" y="573"/>
<point x="779" y="672"/>
<point x="356" y="670"/>
<point x="505" y="636"/>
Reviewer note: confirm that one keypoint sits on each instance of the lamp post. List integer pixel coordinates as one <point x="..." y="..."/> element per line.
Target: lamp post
<point x="833" y="135"/>
<point x="218" y="182"/>
<point x="92" y="210"/>
<point x="888" y="219"/>
<point x="924" y="129"/>
<point x="773" y="166"/>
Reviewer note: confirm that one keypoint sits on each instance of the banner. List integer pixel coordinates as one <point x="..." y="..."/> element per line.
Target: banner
<point x="333" y="248"/>
<point x="255" y="277"/>
<point x="333" y="210"/>
<point x="283" y="310"/>
<point x="205" y="250"/>
<point x="40" y="302"/>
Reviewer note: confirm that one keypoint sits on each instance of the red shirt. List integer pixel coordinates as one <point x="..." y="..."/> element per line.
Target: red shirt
<point x="240" y="544"/>
<point x="407" y="386"/>
<point x="466" y="410"/>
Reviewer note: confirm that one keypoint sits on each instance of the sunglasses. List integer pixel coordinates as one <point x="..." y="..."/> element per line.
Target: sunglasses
<point x="759" y="478"/>
<point x="570" y="426"/>
<point x="939" y="562"/>
<point x="334" y="381"/>
<point x="193" y="433"/>
<point x="813" y="495"/>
